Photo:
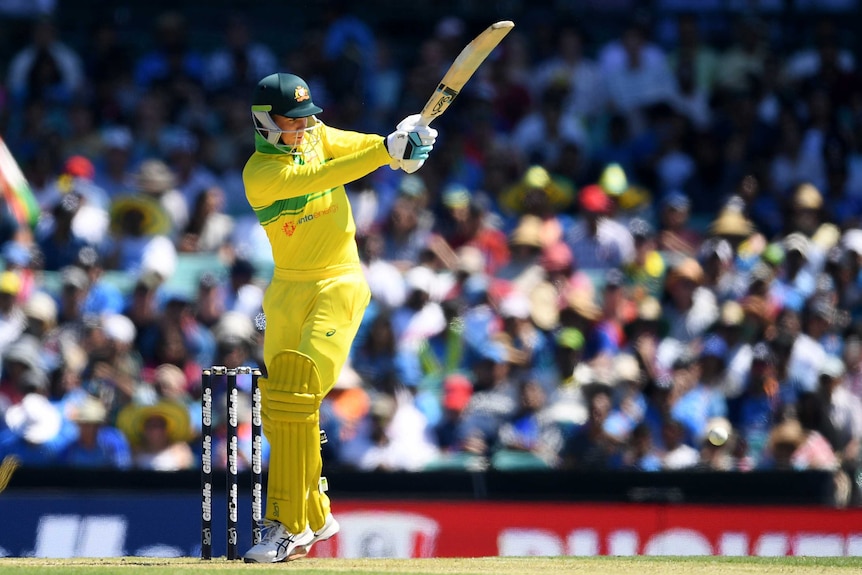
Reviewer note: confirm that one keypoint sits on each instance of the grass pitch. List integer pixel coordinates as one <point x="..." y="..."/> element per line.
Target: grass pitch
<point x="476" y="566"/>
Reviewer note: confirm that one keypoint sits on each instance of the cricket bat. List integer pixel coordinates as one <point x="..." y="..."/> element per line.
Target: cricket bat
<point x="462" y="69"/>
<point x="7" y="468"/>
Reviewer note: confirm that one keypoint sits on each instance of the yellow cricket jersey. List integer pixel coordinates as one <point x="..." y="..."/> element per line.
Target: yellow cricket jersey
<point x="303" y="206"/>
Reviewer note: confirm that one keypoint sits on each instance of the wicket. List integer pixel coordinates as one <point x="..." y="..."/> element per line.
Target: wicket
<point x="232" y="458"/>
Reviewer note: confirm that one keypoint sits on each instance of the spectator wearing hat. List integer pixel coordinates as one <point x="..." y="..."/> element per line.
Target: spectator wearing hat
<point x="705" y="399"/>
<point x="77" y="175"/>
<point x="689" y="308"/>
<point x="732" y="225"/>
<point x="140" y="229"/>
<point x="113" y="371"/>
<point x="784" y="440"/>
<point x="644" y="334"/>
<point x="543" y="195"/>
<point x="58" y="242"/>
<point x="825" y="323"/>
<point x="457" y="392"/>
<point x="114" y="171"/>
<point x="155" y="179"/>
<point x="209" y="299"/>
<point x="18" y="257"/>
<point x="98" y="445"/>
<point x="720" y="274"/>
<point x="494" y="399"/>
<point x="158" y="435"/>
<point x="40" y="311"/>
<point x="628" y="384"/>
<point x="142" y="304"/>
<point x="755" y="412"/>
<point x="805" y="210"/>
<point x="647" y="270"/>
<point x="36" y="432"/>
<point x="12" y="320"/>
<point x="808" y="352"/>
<point x="796" y="280"/>
<point x="102" y="296"/>
<point x="731" y="328"/>
<point x="238" y="343"/>
<point x="597" y="240"/>
<point x="74" y="287"/>
<point x="23" y="371"/>
<point x="844" y="416"/>
<point x="663" y="394"/>
<point x="568" y="354"/>
<point x="524" y="269"/>
<point x="559" y="266"/>
<point x="675" y="234"/>
<point x="616" y="309"/>
<point x="583" y="314"/>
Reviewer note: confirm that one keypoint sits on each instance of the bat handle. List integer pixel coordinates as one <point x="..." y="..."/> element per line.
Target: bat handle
<point x="424" y="120"/>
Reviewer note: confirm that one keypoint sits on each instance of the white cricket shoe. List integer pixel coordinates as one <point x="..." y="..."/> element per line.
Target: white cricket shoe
<point x="277" y="545"/>
<point x="329" y="529"/>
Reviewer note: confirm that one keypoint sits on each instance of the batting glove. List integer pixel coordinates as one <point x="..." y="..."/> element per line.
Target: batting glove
<point x="403" y="145"/>
<point x="411" y="166"/>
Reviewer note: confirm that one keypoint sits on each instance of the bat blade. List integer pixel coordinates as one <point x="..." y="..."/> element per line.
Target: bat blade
<point x="463" y="68"/>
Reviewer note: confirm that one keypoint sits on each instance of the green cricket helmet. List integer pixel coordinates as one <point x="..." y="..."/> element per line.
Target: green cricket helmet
<point x="285" y="95"/>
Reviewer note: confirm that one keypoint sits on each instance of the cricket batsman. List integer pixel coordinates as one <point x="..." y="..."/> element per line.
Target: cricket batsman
<point x="295" y="182"/>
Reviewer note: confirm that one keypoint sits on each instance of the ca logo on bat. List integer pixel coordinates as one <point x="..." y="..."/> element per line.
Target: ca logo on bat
<point x="448" y="94"/>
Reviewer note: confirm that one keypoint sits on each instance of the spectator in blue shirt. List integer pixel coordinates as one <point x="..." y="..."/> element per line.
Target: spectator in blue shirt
<point x="37" y="433"/>
<point x="98" y="445"/>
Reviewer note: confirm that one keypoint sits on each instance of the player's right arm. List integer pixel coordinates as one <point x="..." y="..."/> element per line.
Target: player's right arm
<point x="269" y="177"/>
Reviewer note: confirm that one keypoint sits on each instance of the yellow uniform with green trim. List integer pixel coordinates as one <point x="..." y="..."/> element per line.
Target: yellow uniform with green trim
<point x="313" y="305"/>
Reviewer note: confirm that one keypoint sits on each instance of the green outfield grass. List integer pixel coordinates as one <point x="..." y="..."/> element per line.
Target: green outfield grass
<point x="479" y="566"/>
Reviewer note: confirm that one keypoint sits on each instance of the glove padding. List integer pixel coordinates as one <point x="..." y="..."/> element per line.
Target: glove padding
<point x="411" y="124"/>
<point x="410" y="166"/>
<point x="403" y="145"/>
<point x="427" y="138"/>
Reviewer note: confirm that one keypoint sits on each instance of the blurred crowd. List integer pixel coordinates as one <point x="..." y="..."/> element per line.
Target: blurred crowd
<point x="638" y="253"/>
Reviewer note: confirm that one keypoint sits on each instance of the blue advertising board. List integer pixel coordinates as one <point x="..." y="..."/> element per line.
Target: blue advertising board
<point x="112" y="524"/>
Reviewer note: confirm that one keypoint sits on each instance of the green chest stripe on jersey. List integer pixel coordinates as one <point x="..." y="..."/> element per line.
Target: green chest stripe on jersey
<point x="287" y="207"/>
